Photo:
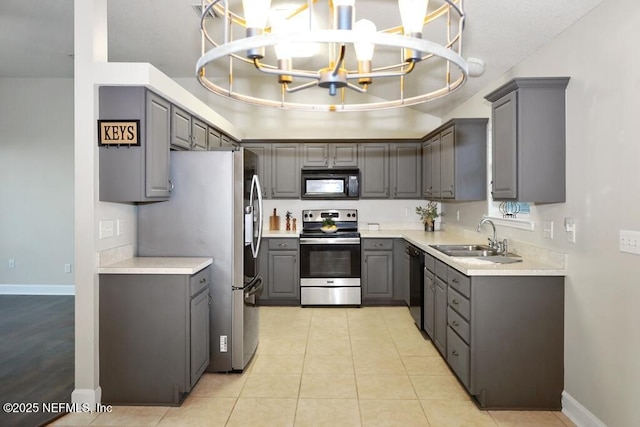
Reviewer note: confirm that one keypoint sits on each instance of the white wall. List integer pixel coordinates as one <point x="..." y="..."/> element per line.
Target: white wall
<point x="602" y="345"/>
<point x="36" y="181"/>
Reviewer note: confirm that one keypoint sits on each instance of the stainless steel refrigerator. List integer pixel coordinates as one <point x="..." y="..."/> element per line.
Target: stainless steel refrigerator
<point x="215" y="210"/>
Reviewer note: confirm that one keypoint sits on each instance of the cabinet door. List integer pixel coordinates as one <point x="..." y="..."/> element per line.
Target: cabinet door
<point x="504" y="118"/>
<point x="343" y="155"/>
<point x="447" y="163"/>
<point x="199" y="335"/>
<point x="315" y="155"/>
<point x="199" y="130"/>
<point x="284" y="274"/>
<point x="374" y="171"/>
<point x="427" y="180"/>
<point x="428" y="313"/>
<point x="213" y="138"/>
<point x="180" y="128"/>
<point x="440" y="324"/>
<point x="264" y="166"/>
<point x="435" y="168"/>
<point x="405" y="171"/>
<point x="378" y="274"/>
<point x="158" y="131"/>
<point x="285" y="171"/>
<point x="407" y="279"/>
<point x="225" y="141"/>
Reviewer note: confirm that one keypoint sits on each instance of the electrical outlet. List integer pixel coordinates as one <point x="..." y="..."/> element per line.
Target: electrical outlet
<point x="458" y="215"/>
<point x="548" y="229"/>
<point x="119" y="227"/>
<point x="67" y="268"/>
<point x="630" y="241"/>
<point x="12" y="263"/>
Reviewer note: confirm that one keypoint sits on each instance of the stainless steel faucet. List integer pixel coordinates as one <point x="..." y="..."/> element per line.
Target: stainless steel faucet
<point x="493" y="241"/>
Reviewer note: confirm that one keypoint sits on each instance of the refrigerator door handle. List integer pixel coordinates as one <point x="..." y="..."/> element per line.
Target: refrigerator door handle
<point x="257" y="190"/>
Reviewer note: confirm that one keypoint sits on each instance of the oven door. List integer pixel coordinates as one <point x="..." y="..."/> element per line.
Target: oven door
<point x="330" y="258"/>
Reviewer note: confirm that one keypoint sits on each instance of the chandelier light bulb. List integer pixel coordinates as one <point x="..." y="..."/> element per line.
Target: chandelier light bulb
<point x="412" y="13"/>
<point x="364" y="51"/>
<point x="256" y="12"/>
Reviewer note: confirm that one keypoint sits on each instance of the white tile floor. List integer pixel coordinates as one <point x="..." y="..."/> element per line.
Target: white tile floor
<point x="330" y="367"/>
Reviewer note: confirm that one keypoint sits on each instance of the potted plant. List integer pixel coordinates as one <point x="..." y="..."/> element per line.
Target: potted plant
<point x="428" y="214"/>
<point x="328" y="225"/>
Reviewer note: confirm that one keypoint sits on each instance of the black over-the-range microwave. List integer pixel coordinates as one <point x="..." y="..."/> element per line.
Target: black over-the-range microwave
<point x="330" y="184"/>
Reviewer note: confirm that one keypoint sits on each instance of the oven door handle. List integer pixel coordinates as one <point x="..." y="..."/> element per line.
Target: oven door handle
<point x="330" y="241"/>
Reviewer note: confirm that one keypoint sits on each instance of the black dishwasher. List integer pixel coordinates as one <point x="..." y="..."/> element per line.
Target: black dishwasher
<point x="416" y="282"/>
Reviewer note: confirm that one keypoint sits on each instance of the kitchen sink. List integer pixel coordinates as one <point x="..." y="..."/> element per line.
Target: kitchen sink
<point x="477" y="251"/>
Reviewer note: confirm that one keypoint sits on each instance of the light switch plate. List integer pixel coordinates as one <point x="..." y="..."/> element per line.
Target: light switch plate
<point x="548" y="229"/>
<point x="106" y="229"/>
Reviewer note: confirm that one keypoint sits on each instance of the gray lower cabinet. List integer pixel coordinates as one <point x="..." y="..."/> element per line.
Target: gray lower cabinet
<point x="456" y="154"/>
<point x="528" y="130"/>
<point x="136" y="173"/>
<point x="440" y="307"/>
<point x="154" y="336"/>
<point x="280" y="271"/>
<point x="429" y="303"/>
<point x="505" y="339"/>
<point x="377" y="270"/>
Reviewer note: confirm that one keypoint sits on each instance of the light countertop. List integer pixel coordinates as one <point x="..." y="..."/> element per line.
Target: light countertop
<point x="156" y="265"/>
<point x="529" y="266"/>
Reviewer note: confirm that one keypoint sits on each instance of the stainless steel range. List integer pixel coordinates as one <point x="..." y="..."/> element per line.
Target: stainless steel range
<point x="330" y="262"/>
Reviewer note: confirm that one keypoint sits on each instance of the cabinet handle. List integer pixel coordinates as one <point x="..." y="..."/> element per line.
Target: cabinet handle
<point x="395" y="191"/>
<point x="282" y="245"/>
<point x="210" y="299"/>
<point x="454" y="280"/>
<point x="171" y="186"/>
<point x="455" y="302"/>
<point x="203" y="280"/>
<point x="454" y="353"/>
<point x="455" y="324"/>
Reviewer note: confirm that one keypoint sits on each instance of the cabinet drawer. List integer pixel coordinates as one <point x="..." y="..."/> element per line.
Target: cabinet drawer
<point x="459" y="282"/>
<point x="441" y="270"/>
<point x="458" y="356"/>
<point x="377" y="244"/>
<point x="283" y="244"/>
<point x="199" y="281"/>
<point x="458" y="324"/>
<point x="459" y="303"/>
<point x="430" y="262"/>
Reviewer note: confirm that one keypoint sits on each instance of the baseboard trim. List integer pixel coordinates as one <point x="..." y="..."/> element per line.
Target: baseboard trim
<point x="578" y="414"/>
<point x="37" y="289"/>
<point x="86" y="395"/>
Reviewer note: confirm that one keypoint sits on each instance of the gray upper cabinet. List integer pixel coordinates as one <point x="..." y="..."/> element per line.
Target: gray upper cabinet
<point x="199" y="134"/>
<point x="285" y="171"/>
<point x="180" y="129"/>
<point x="136" y="173"/>
<point x="325" y="155"/>
<point x="264" y="165"/>
<point x="373" y="160"/>
<point x="457" y="154"/>
<point x="225" y="141"/>
<point x="213" y="138"/>
<point x="528" y="129"/>
<point x="278" y="168"/>
<point x="406" y="168"/>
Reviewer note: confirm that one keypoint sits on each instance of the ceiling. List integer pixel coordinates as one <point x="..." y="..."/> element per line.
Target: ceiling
<point x="37" y="39"/>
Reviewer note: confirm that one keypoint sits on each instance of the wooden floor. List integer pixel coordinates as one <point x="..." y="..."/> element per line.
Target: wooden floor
<point x="36" y="354"/>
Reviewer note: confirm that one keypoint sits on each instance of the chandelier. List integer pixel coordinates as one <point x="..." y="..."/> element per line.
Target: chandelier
<point x="319" y="44"/>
